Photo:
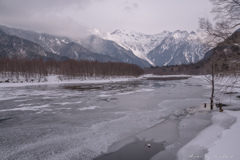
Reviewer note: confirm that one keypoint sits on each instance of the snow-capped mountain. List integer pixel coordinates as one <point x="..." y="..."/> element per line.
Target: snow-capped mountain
<point x="49" y="42"/>
<point x="166" y="48"/>
<point x="56" y="45"/>
<point x="112" y="49"/>
<point x="13" y="46"/>
<point x="179" y="47"/>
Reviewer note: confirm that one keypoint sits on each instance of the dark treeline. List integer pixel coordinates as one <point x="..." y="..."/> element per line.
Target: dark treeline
<point x="188" y="69"/>
<point x="16" y="67"/>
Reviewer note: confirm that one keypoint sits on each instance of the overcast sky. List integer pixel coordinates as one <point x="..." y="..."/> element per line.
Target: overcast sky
<point x="74" y="17"/>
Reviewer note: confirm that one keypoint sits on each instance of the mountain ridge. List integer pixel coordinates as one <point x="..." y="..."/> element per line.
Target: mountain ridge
<point x="112" y="49"/>
<point x="63" y="46"/>
<point x="13" y="46"/>
<point x="143" y="44"/>
<point x="165" y="48"/>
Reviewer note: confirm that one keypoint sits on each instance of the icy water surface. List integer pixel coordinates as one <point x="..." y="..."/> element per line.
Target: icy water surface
<point x="81" y="121"/>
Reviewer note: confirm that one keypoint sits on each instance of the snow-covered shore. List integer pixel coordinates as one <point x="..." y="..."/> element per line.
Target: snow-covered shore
<point x="218" y="141"/>
<point x="54" y="79"/>
<point x="221" y="139"/>
<point x="227" y="147"/>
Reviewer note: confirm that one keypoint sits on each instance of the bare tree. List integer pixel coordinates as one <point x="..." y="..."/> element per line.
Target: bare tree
<point x="37" y="68"/>
<point x="226" y="21"/>
<point x="223" y="37"/>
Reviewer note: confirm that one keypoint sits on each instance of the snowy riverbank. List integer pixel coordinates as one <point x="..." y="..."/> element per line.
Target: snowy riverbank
<point x="55" y="79"/>
<point x="220" y="140"/>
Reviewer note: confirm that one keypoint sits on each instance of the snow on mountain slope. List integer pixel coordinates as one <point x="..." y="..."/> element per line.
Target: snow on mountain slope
<point x="180" y="47"/>
<point x="49" y="42"/>
<point x="13" y="46"/>
<point x="57" y="45"/>
<point x="142" y="45"/>
<point x="110" y="48"/>
<point x="166" y="48"/>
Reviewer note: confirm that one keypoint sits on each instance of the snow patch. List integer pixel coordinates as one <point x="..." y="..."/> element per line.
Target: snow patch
<point x="227" y="146"/>
<point x="26" y="108"/>
<point x="206" y="138"/>
<point x="141" y="90"/>
<point x="66" y="103"/>
<point x="89" y="108"/>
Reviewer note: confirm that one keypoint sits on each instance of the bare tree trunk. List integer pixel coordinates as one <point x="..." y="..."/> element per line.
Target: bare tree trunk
<point x="213" y="87"/>
<point x="212" y="96"/>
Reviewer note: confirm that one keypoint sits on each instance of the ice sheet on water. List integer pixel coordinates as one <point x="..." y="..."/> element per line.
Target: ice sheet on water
<point x="21" y="105"/>
<point x="66" y="103"/>
<point x="35" y="108"/>
<point x="89" y="108"/>
<point x="22" y="100"/>
<point x="171" y="105"/>
<point x="7" y="98"/>
<point x="137" y="91"/>
<point x="81" y="142"/>
<point x="103" y="95"/>
<point x="78" y="138"/>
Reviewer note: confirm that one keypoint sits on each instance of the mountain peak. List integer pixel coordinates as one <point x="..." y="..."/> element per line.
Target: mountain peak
<point x="194" y="33"/>
<point x="142" y="44"/>
<point x="118" y="31"/>
<point x="126" y="32"/>
<point x="97" y="32"/>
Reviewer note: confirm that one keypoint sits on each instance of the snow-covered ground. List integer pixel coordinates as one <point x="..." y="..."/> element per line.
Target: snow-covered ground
<point x="227" y="147"/>
<point x="55" y="79"/>
<point x="219" y="140"/>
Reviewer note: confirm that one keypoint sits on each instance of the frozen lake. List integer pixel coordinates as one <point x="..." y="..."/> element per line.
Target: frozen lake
<point x="81" y="121"/>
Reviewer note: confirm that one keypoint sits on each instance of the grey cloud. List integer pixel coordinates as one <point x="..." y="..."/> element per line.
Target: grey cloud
<point x="135" y="5"/>
<point x="72" y="17"/>
<point x="62" y="26"/>
<point x="23" y="7"/>
<point x="127" y="9"/>
<point x="43" y="15"/>
<point x="130" y="6"/>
